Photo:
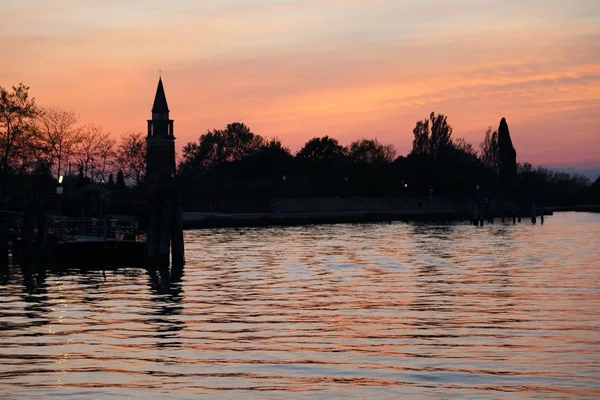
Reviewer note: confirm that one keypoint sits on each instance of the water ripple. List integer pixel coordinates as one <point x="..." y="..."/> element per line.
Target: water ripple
<point x="384" y="310"/>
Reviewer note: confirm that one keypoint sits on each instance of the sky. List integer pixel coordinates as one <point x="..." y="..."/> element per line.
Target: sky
<point x="297" y="69"/>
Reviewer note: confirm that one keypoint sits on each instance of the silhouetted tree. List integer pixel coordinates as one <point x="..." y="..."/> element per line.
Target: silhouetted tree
<point x="594" y="192"/>
<point x="321" y="149"/>
<point x="432" y="136"/>
<point x="95" y="151"/>
<point x="120" y="180"/>
<point x="421" y="140"/>
<point x="370" y="151"/>
<point x="464" y="147"/>
<point x="58" y="135"/>
<point x="111" y="180"/>
<point x="17" y="112"/>
<point x="547" y="187"/>
<point x="441" y="132"/>
<point x="489" y="149"/>
<point x="217" y="147"/>
<point x="131" y="157"/>
<point x="507" y="157"/>
<point x="82" y="180"/>
<point x="271" y="160"/>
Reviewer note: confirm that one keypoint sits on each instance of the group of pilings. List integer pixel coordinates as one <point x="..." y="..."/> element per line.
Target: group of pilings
<point x="4" y="247"/>
<point x="480" y="215"/>
<point x="33" y="232"/>
<point x="165" y="232"/>
<point x="164" y="241"/>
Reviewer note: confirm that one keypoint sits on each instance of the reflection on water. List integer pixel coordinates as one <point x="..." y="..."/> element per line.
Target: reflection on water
<point x="319" y="312"/>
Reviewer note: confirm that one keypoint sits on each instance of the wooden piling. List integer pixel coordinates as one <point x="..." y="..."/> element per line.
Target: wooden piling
<point x="165" y="235"/>
<point x="3" y="250"/>
<point x="26" y="250"/>
<point x="153" y="235"/>
<point x="42" y="232"/>
<point x="178" y="257"/>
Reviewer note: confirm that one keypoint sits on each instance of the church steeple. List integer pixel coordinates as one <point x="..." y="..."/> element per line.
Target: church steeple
<point x="160" y="142"/>
<point x="160" y="125"/>
<point x="160" y="100"/>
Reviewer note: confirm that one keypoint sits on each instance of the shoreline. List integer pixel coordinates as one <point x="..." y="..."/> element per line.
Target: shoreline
<point x="199" y="220"/>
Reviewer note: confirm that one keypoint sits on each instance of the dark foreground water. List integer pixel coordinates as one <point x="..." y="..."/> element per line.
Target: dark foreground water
<point x="379" y="311"/>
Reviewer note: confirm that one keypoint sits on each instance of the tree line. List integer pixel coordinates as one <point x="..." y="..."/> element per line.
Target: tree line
<point x="237" y="163"/>
<point x="34" y="138"/>
<point x="234" y="161"/>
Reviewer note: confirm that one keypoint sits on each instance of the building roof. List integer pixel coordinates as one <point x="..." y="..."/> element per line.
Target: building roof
<point x="160" y="100"/>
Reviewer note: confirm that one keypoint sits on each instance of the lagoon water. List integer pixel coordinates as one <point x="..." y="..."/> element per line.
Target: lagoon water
<point x="353" y="311"/>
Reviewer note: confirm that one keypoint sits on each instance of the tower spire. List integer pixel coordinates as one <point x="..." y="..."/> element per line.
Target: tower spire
<point x="160" y="100"/>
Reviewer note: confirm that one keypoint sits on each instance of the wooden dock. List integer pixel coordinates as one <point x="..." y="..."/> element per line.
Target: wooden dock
<point x="72" y="241"/>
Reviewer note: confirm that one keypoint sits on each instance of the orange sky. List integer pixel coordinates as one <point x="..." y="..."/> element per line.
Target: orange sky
<point x="296" y="69"/>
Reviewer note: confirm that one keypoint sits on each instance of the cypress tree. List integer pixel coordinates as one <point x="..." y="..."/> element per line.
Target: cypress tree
<point x="120" y="180"/>
<point x="507" y="157"/>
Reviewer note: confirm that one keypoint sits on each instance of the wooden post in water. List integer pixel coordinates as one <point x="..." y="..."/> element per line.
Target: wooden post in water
<point x="533" y="213"/>
<point x="3" y="249"/>
<point x="481" y="215"/>
<point x="42" y="233"/>
<point x="165" y="235"/>
<point x="26" y="249"/>
<point x="153" y="235"/>
<point x="178" y="256"/>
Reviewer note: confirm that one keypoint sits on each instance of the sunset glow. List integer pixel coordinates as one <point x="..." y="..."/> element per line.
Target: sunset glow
<point x="296" y="69"/>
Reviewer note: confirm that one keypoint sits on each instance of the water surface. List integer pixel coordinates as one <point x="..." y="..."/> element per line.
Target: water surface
<point x="356" y="311"/>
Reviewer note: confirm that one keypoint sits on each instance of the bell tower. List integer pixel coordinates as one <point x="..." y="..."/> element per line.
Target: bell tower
<point x="165" y="227"/>
<point x="160" y="144"/>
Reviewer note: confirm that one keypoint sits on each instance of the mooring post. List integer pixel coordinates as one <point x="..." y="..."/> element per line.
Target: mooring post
<point x="165" y="235"/>
<point x="533" y="213"/>
<point x="480" y="215"/>
<point x="26" y="249"/>
<point x="42" y="233"/>
<point x="178" y="257"/>
<point x="542" y="215"/>
<point x="3" y="249"/>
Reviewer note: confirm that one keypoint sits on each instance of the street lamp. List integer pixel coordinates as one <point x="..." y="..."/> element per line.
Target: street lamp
<point x="59" y="192"/>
